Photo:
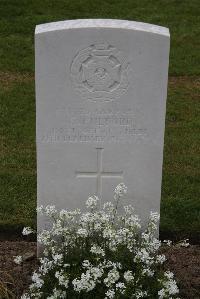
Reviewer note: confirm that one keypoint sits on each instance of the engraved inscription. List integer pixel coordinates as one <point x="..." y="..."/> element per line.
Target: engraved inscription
<point x="100" y="72"/>
<point x="99" y="173"/>
<point x="78" y="124"/>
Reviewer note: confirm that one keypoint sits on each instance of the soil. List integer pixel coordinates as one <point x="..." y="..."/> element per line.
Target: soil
<point x="14" y="279"/>
<point x="184" y="262"/>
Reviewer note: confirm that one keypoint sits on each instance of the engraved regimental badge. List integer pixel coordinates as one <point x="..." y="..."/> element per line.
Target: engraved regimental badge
<point x="100" y="72"/>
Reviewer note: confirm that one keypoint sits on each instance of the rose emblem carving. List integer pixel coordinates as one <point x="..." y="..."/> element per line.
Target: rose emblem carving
<point x="100" y="72"/>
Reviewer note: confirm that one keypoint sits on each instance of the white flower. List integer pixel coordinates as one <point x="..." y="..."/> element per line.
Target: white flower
<point x="38" y="282"/>
<point x="169" y="274"/>
<point x="86" y="282"/>
<point x="129" y="210"/>
<point x="113" y="276"/>
<point x="169" y="286"/>
<point x="25" y="296"/>
<point x="69" y="215"/>
<point x="120" y="286"/>
<point x="154" y="245"/>
<point x="154" y="216"/>
<point x="46" y="265"/>
<point x="57" y="258"/>
<point x="120" y="190"/>
<point x="117" y="265"/>
<point x="133" y="221"/>
<point x="108" y="233"/>
<point x="27" y="231"/>
<point x="40" y="210"/>
<point x="108" y="207"/>
<point x="97" y="250"/>
<point x="110" y="293"/>
<point x="18" y="259"/>
<point x="143" y="256"/>
<point x="64" y="214"/>
<point x="167" y="242"/>
<point x="50" y="210"/>
<point x="88" y="279"/>
<point x="82" y="232"/>
<point x="148" y="272"/>
<point x="128" y="276"/>
<point x="62" y="278"/>
<point x="57" y="294"/>
<point x="172" y="287"/>
<point x="96" y="272"/>
<point x="160" y="258"/>
<point x="92" y="202"/>
<point x="44" y="238"/>
<point x="153" y="221"/>
<point x="86" y="264"/>
<point x="140" y="294"/>
<point x="184" y="243"/>
<point x="161" y="293"/>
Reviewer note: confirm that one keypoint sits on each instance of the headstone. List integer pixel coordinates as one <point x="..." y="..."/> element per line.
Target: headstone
<point x="101" y="89"/>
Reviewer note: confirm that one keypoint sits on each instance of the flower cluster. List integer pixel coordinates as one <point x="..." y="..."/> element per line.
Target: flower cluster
<point x="27" y="231"/>
<point x="100" y="254"/>
<point x="18" y="259"/>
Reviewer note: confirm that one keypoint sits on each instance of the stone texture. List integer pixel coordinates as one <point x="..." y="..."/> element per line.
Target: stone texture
<point x="101" y="90"/>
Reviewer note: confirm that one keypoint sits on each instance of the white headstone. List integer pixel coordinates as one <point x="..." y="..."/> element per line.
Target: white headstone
<point x="101" y="90"/>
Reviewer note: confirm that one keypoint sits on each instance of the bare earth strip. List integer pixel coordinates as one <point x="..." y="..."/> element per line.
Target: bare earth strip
<point x="7" y="79"/>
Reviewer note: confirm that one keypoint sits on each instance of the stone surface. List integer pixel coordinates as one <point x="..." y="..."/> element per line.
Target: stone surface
<point x="101" y="90"/>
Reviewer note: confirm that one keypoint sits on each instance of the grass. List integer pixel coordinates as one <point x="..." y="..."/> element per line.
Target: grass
<point x="180" y="206"/>
<point x="18" y="20"/>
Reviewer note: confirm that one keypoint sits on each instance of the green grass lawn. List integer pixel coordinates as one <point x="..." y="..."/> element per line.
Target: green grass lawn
<point x="180" y="206"/>
<point x="18" y="20"/>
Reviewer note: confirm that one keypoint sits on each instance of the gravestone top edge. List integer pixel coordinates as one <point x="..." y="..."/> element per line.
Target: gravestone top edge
<point x="101" y="23"/>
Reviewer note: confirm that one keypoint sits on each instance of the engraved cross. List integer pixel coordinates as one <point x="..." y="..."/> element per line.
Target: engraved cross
<point x="99" y="174"/>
